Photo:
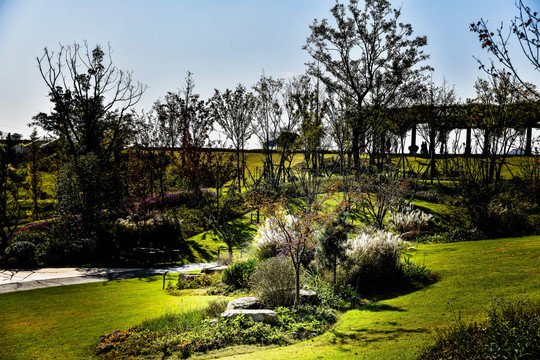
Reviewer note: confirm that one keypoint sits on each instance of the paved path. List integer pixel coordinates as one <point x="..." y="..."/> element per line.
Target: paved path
<point x="18" y="280"/>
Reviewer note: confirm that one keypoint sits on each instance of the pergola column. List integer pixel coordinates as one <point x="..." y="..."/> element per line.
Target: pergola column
<point x="468" y="137"/>
<point x="528" y="142"/>
<point x="413" y="148"/>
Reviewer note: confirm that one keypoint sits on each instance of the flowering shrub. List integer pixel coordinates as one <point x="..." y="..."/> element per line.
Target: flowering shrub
<point x="39" y="226"/>
<point x="173" y="199"/>
<point x="409" y="219"/>
<point x="373" y="258"/>
<point x="271" y="238"/>
<point x="202" y="281"/>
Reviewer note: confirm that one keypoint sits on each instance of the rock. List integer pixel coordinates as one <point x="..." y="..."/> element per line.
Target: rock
<point x="309" y="297"/>
<point x="260" y="315"/>
<point x="213" y="269"/>
<point x="249" y="302"/>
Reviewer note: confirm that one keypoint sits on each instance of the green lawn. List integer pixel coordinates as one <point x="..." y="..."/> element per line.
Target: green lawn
<point x="66" y="322"/>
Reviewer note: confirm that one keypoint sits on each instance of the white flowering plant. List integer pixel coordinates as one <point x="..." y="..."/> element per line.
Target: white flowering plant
<point x="409" y="219"/>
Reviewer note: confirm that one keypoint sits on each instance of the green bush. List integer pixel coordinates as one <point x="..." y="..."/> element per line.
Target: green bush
<point x="216" y="307"/>
<point x="208" y="336"/>
<point x="414" y="273"/>
<point x="202" y="281"/>
<point x="339" y="297"/>
<point x="21" y="254"/>
<point x="35" y="238"/>
<point x="238" y="274"/>
<point x="305" y="321"/>
<point x="512" y="331"/>
<point x="273" y="282"/>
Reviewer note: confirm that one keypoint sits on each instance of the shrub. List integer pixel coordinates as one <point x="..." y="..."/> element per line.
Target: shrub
<point x="339" y="297"/>
<point x="510" y="332"/>
<point x="216" y="307"/>
<point x="305" y="321"/>
<point x="158" y="230"/>
<point x="409" y="219"/>
<point x="111" y="340"/>
<point x="415" y="273"/>
<point x="208" y="336"/>
<point x="238" y="274"/>
<point x="34" y="237"/>
<point x="373" y="259"/>
<point x="507" y="216"/>
<point x="273" y="282"/>
<point x="202" y="281"/>
<point x="465" y="235"/>
<point x="21" y="254"/>
<point x="189" y="198"/>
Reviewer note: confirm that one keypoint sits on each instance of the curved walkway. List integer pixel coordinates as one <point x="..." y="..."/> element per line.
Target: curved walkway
<point x="18" y="280"/>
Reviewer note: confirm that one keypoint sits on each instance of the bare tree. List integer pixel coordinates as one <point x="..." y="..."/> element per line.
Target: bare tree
<point x="499" y="115"/>
<point x="524" y="29"/>
<point x="435" y="115"/>
<point x="91" y="100"/>
<point x="233" y="111"/>
<point x="275" y="126"/>
<point x="91" y="97"/>
<point x="187" y="123"/>
<point x="367" y="54"/>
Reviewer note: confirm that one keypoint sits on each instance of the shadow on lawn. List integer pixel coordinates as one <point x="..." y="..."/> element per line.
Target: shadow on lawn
<point x="195" y="252"/>
<point x="242" y="233"/>
<point x="371" y="335"/>
<point x="380" y="307"/>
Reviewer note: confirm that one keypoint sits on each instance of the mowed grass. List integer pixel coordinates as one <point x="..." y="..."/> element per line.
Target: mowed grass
<point x="66" y="322"/>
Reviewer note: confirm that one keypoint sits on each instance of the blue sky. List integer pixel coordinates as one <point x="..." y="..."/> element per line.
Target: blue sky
<point x="223" y="42"/>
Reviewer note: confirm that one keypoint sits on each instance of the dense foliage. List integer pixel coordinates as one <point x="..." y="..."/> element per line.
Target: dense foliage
<point x="511" y="331"/>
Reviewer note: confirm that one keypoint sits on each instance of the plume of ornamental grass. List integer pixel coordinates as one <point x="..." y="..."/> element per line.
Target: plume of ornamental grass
<point x="409" y="219"/>
<point x="270" y="238"/>
<point x="373" y="258"/>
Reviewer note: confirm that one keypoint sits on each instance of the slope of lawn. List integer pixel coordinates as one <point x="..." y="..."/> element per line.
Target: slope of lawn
<point x="65" y="322"/>
<point x="472" y="273"/>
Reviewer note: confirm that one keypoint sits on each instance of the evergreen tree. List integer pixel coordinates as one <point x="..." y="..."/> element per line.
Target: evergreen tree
<point x="332" y="244"/>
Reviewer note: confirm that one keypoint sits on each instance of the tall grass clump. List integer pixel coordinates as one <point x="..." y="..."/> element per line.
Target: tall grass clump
<point x="511" y="331"/>
<point x="179" y="321"/>
<point x="409" y="219"/>
<point x="373" y="259"/>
